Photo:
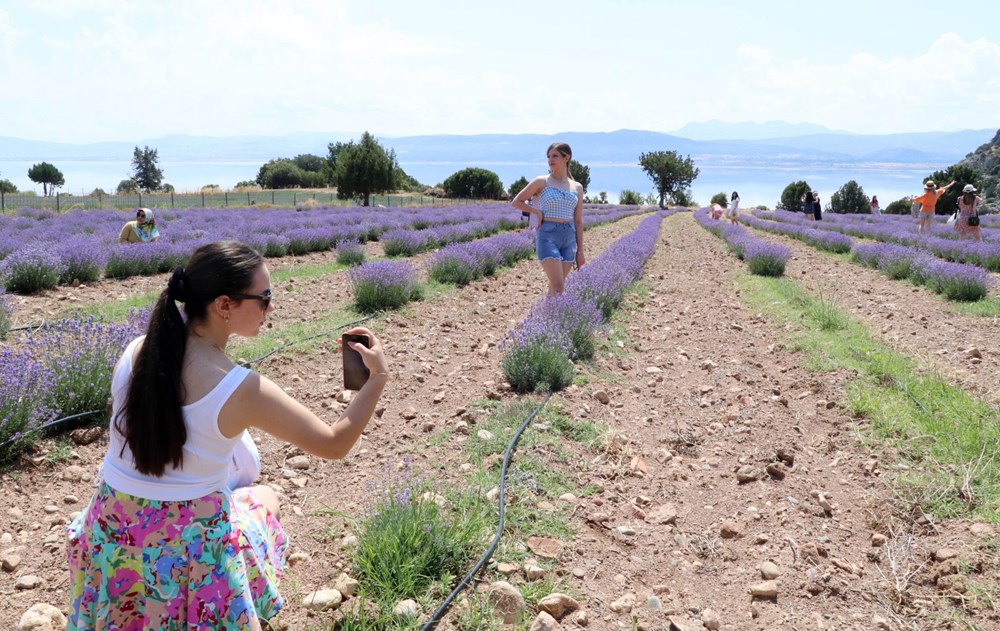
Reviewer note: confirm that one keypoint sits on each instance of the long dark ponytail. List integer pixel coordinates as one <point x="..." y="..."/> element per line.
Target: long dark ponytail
<point x="153" y="423"/>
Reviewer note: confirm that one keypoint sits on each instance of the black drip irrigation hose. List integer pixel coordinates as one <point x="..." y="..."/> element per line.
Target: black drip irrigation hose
<point x="436" y="618"/>
<point x="67" y="419"/>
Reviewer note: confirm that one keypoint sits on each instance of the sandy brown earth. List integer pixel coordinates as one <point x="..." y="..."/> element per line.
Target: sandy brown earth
<point x="723" y="454"/>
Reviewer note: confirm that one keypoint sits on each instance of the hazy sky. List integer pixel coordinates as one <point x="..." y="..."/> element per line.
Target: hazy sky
<point x="92" y="70"/>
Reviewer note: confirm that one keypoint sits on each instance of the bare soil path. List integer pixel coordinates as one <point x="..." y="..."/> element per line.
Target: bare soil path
<point x="702" y="396"/>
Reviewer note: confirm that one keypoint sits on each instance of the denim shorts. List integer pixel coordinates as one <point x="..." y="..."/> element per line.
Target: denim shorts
<point x="556" y="241"/>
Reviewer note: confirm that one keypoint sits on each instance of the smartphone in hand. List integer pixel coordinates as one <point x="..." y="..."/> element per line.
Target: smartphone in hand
<point x="355" y="371"/>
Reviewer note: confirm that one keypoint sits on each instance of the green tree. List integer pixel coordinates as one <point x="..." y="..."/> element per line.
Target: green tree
<point x="791" y="197"/>
<point x="330" y="168"/>
<point x="962" y="175"/>
<point x="167" y="188"/>
<point x="251" y="184"/>
<point x="364" y="168"/>
<point x="309" y="162"/>
<point x="899" y="207"/>
<point x="127" y="187"/>
<point x="7" y="187"/>
<point x="850" y="198"/>
<point x="580" y="173"/>
<point x="404" y="182"/>
<point x="280" y="173"/>
<point x="48" y="176"/>
<point x="670" y="173"/>
<point x="474" y="183"/>
<point x="516" y="187"/>
<point x="146" y="169"/>
<point x="98" y="192"/>
<point x="630" y="198"/>
<point x="719" y="198"/>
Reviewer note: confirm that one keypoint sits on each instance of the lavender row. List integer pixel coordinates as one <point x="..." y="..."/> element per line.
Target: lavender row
<point x="539" y="351"/>
<point x="36" y="253"/>
<point x="955" y="281"/>
<point x="58" y="371"/>
<point x="822" y="239"/>
<point x="941" y="242"/>
<point x="762" y="258"/>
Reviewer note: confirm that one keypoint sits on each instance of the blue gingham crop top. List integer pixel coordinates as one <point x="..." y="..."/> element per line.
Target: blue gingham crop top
<point x="557" y="203"/>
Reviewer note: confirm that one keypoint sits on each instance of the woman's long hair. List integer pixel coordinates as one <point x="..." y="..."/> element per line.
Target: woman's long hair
<point x="968" y="198"/>
<point x="735" y="195"/>
<point x="153" y="423"/>
<point x="563" y="149"/>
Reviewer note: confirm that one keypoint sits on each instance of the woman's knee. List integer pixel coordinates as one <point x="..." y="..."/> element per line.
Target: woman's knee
<point x="269" y="499"/>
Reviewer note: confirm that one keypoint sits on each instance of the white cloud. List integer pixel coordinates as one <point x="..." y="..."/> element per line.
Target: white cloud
<point x="955" y="84"/>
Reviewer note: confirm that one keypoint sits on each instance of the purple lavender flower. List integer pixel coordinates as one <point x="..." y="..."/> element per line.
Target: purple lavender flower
<point x="384" y="285"/>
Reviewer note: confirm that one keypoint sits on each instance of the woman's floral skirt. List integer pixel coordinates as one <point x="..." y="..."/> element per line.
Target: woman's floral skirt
<point x="209" y="563"/>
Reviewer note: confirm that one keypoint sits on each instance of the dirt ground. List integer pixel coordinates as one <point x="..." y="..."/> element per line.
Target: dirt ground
<point x="730" y="464"/>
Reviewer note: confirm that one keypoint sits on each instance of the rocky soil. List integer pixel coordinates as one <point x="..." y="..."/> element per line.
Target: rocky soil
<point x="733" y="490"/>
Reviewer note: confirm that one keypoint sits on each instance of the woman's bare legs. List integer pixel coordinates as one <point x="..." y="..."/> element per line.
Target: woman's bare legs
<point x="556" y="272"/>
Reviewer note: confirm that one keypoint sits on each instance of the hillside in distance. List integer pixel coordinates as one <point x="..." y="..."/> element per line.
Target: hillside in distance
<point x="622" y="146"/>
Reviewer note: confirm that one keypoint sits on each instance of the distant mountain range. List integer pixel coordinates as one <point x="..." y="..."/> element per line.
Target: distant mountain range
<point x="760" y="143"/>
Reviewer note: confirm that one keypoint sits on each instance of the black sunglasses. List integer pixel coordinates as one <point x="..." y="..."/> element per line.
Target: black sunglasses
<point x="264" y="298"/>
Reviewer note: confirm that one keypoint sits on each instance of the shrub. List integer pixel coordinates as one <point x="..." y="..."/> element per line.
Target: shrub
<point x="899" y="207"/>
<point x="538" y="366"/>
<point x="405" y="242"/>
<point x="23" y="385"/>
<point x="474" y="183"/>
<point x="766" y="259"/>
<point x="630" y="198"/>
<point x="81" y="354"/>
<point x="791" y="197"/>
<point x="31" y="269"/>
<point x="350" y="253"/>
<point x="719" y="198"/>
<point x="384" y="285"/>
<point x="850" y="198"/>
<point x="82" y="260"/>
<point x="407" y="542"/>
<point x="6" y="310"/>
<point x="455" y="267"/>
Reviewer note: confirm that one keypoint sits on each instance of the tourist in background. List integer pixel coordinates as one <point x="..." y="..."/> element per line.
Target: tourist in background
<point x="808" y="205"/>
<point x="734" y="206"/>
<point x="141" y="230"/>
<point x="967" y="222"/>
<point x="928" y="204"/>
<point x="875" y="207"/>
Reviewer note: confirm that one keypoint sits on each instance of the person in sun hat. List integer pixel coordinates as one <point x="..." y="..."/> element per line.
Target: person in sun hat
<point x="141" y="230"/>
<point x="968" y="207"/>
<point x="171" y="538"/>
<point x="928" y="202"/>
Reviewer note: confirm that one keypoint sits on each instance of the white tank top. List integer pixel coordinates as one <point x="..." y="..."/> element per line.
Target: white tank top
<point x="208" y="455"/>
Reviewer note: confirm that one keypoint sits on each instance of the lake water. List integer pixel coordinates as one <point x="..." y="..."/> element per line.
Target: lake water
<point x="756" y="183"/>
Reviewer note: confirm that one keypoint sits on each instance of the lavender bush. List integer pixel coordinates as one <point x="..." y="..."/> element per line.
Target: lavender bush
<point x="350" y="252"/>
<point x="382" y="285"/>
<point x="80" y="355"/>
<point x="31" y="269"/>
<point x="766" y="259"/>
<point x="22" y="408"/>
<point x="82" y="260"/>
<point x="6" y="311"/>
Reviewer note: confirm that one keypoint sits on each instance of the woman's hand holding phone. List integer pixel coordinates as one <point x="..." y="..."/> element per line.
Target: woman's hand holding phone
<point x="363" y="357"/>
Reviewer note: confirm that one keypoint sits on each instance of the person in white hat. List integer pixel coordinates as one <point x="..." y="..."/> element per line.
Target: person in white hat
<point x="967" y="222"/>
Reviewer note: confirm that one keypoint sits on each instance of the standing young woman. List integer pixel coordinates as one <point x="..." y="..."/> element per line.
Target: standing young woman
<point x="166" y="543"/>
<point x="559" y="242"/>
